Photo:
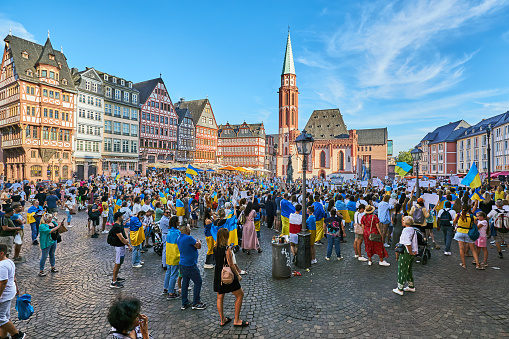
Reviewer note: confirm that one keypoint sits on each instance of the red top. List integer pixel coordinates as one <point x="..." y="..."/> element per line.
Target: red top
<point x="295" y="223"/>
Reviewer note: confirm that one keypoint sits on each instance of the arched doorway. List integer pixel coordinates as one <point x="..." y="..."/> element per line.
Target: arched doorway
<point x="321" y="174"/>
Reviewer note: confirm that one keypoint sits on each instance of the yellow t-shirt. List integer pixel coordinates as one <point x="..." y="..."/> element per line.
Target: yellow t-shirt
<point x="499" y="195"/>
<point x="464" y="225"/>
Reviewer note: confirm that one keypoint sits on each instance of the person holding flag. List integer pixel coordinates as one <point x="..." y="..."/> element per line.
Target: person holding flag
<point x="181" y="211"/>
<point x="287" y="208"/>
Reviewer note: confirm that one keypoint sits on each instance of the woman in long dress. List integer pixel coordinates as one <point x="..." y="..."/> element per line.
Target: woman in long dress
<point x="249" y="239"/>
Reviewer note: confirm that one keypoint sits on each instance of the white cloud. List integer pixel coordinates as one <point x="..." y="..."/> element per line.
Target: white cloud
<point x="16" y="28"/>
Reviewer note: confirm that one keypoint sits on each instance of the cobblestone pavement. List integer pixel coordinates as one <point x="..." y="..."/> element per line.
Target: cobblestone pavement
<point x="334" y="300"/>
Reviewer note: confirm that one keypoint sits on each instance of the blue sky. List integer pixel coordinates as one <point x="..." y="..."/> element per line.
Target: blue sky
<point x="408" y="65"/>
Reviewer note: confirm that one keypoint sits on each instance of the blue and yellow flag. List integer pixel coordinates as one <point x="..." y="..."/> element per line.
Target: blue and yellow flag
<point x="189" y="179"/>
<point x="172" y="250"/>
<point x="191" y="170"/>
<point x="231" y="226"/>
<point x="472" y="179"/>
<point x="402" y="168"/>
<point x="180" y="208"/>
<point x="117" y="176"/>
<point x="476" y="195"/>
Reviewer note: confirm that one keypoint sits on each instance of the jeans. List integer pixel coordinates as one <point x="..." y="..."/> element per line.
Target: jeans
<point x="448" y="235"/>
<point x="35" y="228"/>
<point x="69" y="217"/>
<point x="172" y="273"/>
<point x="44" y="255"/>
<point x="333" y="241"/>
<point x="136" y="255"/>
<point x="190" y="273"/>
<point x="163" y="259"/>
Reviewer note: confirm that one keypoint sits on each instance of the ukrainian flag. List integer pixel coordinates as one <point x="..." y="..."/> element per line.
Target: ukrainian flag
<point x="231" y="226"/>
<point x="180" y="208"/>
<point x="172" y="250"/>
<point x="189" y="179"/>
<point x="476" y="195"/>
<point x="191" y="170"/>
<point x="286" y="209"/>
<point x="472" y="179"/>
<point x="402" y="168"/>
<point x="117" y="176"/>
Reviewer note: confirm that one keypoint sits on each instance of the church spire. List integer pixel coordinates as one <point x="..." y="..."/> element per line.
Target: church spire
<point x="288" y="67"/>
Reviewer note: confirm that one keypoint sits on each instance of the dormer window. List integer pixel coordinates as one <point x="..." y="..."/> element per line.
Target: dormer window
<point x="29" y="72"/>
<point x="106" y="77"/>
<point x="130" y="84"/>
<point x="51" y="57"/>
<point x="122" y="82"/>
<point x="44" y="73"/>
<point x="24" y="54"/>
<point x="64" y="81"/>
<point x="114" y="80"/>
<point x="59" y="65"/>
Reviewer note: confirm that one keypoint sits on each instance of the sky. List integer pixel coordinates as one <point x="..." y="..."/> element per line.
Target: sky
<point x="410" y="66"/>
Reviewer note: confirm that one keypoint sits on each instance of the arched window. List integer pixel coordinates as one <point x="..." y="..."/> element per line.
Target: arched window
<point x="287" y="117"/>
<point x="293" y="99"/>
<point x="36" y="171"/>
<point x="322" y="159"/>
<point x="292" y="118"/>
<point x="65" y="172"/>
<point x="341" y="161"/>
<point x="287" y="99"/>
<point x="286" y="150"/>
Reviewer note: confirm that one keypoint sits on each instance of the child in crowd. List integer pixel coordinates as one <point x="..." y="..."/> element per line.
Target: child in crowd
<point x="481" y="242"/>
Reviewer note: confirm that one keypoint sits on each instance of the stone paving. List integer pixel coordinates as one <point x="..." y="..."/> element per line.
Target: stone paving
<point x="334" y="300"/>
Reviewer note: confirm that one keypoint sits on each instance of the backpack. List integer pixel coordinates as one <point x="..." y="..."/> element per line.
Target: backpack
<point x="445" y="218"/>
<point x="111" y="240"/>
<point x="501" y="221"/>
<point x="473" y="233"/>
<point x="418" y="216"/>
<point x="242" y="218"/>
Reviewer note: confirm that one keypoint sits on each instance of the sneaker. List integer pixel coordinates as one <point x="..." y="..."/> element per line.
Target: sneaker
<point x="18" y="259"/>
<point x="94" y="235"/>
<point x="137" y="266"/>
<point x="448" y="253"/>
<point x="409" y="289"/>
<point x="35" y="242"/>
<point x="116" y="284"/>
<point x="42" y="274"/>
<point x="19" y="335"/>
<point x="186" y="306"/>
<point x="326" y="258"/>
<point x="500" y="255"/>
<point x="120" y="279"/>
<point x="340" y="258"/>
<point x="148" y="246"/>
<point x="314" y="261"/>
<point x="362" y="259"/>
<point x="242" y="272"/>
<point x="397" y="291"/>
<point x="208" y="266"/>
<point x="384" y="263"/>
<point x="387" y="245"/>
<point x="104" y="232"/>
<point x="199" y="306"/>
<point x="318" y="243"/>
<point x="173" y="296"/>
<point x="356" y="256"/>
<point x="370" y="263"/>
<point x="165" y="292"/>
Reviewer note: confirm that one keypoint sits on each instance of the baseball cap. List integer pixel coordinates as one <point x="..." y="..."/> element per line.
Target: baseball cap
<point x="117" y="215"/>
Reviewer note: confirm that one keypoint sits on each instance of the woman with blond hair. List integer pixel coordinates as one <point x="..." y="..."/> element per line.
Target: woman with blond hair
<point x="224" y="258"/>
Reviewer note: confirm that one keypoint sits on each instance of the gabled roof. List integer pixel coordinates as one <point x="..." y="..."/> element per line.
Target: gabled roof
<point x="480" y="127"/>
<point x="196" y="107"/>
<point x="183" y="113"/>
<point x="38" y="54"/>
<point x="372" y="136"/>
<point x="288" y="66"/>
<point x="446" y="133"/>
<point x="326" y="124"/>
<point x="146" y="88"/>
<point x="254" y="130"/>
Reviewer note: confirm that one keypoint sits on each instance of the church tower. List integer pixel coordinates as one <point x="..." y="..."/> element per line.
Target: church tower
<point x="288" y="111"/>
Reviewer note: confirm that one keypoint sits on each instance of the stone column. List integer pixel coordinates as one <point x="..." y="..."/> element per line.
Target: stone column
<point x="85" y="170"/>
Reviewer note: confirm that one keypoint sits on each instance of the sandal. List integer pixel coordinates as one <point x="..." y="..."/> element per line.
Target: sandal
<point x="463" y="266"/>
<point x="244" y="324"/>
<point x="480" y="267"/>
<point x="226" y="322"/>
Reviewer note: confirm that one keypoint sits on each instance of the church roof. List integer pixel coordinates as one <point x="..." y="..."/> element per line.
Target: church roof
<point x="37" y="54"/>
<point x="326" y="124"/>
<point x="288" y="66"/>
<point x="146" y="88"/>
<point x="372" y="136"/>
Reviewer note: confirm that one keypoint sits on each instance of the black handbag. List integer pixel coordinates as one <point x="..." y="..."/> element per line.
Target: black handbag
<point x="400" y="248"/>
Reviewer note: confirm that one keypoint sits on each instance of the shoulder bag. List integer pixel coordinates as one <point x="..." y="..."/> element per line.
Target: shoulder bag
<point x="400" y="248"/>
<point x="226" y="273"/>
<point x="357" y="227"/>
<point x="375" y="237"/>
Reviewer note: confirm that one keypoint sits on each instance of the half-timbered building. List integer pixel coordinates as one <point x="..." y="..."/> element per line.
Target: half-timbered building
<point x="37" y="105"/>
<point x="186" y="137"/>
<point x="206" y="129"/>
<point x="242" y="145"/>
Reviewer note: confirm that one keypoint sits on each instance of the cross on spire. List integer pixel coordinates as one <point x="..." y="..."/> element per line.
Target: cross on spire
<point x="48" y="33"/>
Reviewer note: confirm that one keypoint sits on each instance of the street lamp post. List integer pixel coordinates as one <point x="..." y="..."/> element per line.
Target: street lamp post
<point x="488" y="135"/>
<point x="304" y="144"/>
<point x="416" y="156"/>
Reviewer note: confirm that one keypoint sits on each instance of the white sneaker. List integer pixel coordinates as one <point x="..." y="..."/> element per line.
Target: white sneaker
<point x="370" y="263"/>
<point x="356" y="256"/>
<point x="387" y="245"/>
<point x="397" y="291"/>
<point x="409" y="289"/>
<point x="362" y="259"/>
<point x="137" y="266"/>
<point x="384" y="263"/>
<point x="242" y="272"/>
<point x="340" y="258"/>
<point x="208" y="266"/>
<point x="449" y="253"/>
<point x="69" y="226"/>
<point x="327" y="258"/>
<point x="104" y="232"/>
<point x="314" y="261"/>
<point x="142" y="263"/>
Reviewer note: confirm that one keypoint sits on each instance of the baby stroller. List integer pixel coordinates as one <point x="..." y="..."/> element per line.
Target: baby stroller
<point x="423" y="252"/>
<point x="158" y="245"/>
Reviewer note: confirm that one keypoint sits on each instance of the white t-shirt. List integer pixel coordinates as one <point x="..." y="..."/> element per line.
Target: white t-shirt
<point x="451" y="212"/>
<point x="7" y="272"/>
<point x="408" y="237"/>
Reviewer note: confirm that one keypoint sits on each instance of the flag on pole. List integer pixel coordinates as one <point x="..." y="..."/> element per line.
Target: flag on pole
<point x="402" y="168"/>
<point x="472" y="179"/>
<point x="476" y="195"/>
<point x="191" y="170"/>
<point x="189" y="178"/>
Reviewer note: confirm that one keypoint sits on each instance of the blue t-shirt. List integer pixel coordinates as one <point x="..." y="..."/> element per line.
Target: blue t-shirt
<point x="188" y="253"/>
<point x="51" y="201"/>
<point x="311" y="223"/>
<point x="15" y="217"/>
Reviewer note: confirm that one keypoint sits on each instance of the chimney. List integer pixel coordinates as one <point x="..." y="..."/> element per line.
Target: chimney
<point x="182" y="100"/>
<point x="74" y="70"/>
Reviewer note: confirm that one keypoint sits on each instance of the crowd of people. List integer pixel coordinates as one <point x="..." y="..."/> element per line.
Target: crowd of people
<point x="161" y="210"/>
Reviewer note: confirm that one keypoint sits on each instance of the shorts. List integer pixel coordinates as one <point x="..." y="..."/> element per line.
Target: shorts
<point x="95" y="221"/>
<point x="500" y="237"/>
<point x="463" y="237"/>
<point x="263" y="212"/>
<point x="8" y="241"/>
<point x="53" y="210"/>
<point x="5" y="312"/>
<point x="119" y="255"/>
<point x="104" y="214"/>
<point x="294" y="238"/>
<point x="194" y="216"/>
<point x="429" y="226"/>
<point x="23" y="203"/>
<point x="312" y="239"/>
<point x="359" y="236"/>
<point x="481" y="242"/>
